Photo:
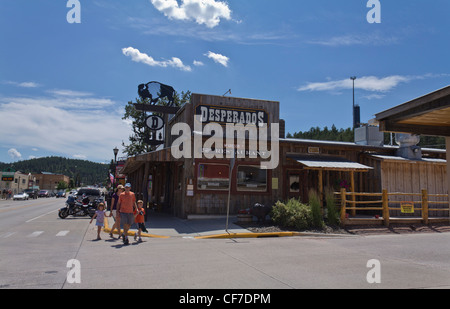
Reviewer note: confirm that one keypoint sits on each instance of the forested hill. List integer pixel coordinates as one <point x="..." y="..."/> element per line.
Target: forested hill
<point x="81" y="171"/>
<point x="325" y="134"/>
<point x="346" y="135"/>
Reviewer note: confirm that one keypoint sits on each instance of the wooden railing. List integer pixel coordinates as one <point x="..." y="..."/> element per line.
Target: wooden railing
<point x="353" y="202"/>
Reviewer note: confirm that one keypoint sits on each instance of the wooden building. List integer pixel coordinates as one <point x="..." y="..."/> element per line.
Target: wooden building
<point x="427" y="115"/>
<point x="201" y="181"/>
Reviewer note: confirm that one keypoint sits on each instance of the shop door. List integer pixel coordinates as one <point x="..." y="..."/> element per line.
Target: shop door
<point x="297" y="185"/>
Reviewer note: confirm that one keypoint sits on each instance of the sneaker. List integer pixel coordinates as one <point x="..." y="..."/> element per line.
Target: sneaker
<point x="135" y="237"/>
<point x="126" y="242"/>
<point x="140" y="239"/>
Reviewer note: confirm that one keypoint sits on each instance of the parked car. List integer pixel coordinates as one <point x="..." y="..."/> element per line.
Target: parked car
<point x="92" y="193"/>
<point x="44" y="193"/>
<point x="61" y="194"/>
<point x="21" y="196"/>
<point x="32" y="193"/>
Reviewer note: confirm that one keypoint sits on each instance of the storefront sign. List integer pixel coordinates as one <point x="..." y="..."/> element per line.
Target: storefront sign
<point x="224" y="115"/>
<point x="8" y="176"/>
<point x="155" y="122"/>
<point x="407" y="208"/>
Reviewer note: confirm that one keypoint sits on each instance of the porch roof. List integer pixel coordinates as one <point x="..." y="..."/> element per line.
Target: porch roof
<point x="328" y="163"/>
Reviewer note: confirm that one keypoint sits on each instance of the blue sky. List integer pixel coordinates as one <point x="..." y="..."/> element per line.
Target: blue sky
<point x="63" y="86"/>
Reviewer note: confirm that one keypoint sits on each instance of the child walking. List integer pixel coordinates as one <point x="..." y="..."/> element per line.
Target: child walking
<point x="100" y="218"/>
<point x="140" y="220"/>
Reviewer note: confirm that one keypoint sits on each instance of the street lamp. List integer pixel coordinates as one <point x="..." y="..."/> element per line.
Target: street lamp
<point x="116" y="151"/>
<point x="354" y="120"/>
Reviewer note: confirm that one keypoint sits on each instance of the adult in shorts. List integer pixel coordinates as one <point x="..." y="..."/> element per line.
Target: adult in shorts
<point x="126" y="206"/>
<point x="114" y="213"/>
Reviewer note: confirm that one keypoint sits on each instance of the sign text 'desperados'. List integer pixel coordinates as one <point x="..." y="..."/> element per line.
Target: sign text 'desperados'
<point x="225" y="115"/>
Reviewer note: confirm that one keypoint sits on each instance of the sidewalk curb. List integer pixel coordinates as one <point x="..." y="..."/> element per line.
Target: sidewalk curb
<point x="107" y="229"/>
<point x="249" y="235"/>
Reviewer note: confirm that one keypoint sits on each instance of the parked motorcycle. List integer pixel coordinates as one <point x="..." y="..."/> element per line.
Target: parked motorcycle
<point x="78" y="208"/>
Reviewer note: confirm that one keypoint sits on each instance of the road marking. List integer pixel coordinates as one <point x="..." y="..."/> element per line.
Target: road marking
<point x="35" y="234"/>
<point x="62" y="233"/>
<point x="8" y="234"/>
<point x="40" y="216"/>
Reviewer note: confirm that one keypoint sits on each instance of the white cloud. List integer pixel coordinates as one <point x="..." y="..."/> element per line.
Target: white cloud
<point x="218" y="58"/>
<point x="23" y="84"/>
<point x="351" y="39"/>
<point x="69" y="93"/>
<point x="87" y="127"/>
<point x="368" y="83"/>
<point x="79" y="156"/>
<point x="207" y="12"/>
<point x="14" y="154"/>
<point x="198" y="63"/>
<point x="139" y="57"/>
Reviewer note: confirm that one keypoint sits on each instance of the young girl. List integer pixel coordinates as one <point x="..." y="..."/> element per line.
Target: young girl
<point x="100" y="218"/>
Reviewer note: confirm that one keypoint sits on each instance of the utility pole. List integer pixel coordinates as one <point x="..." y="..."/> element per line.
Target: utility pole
<point x="353" y="78"/>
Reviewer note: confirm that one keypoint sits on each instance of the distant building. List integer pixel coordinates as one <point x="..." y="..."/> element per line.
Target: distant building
<point x="49" y="181"/>
<point x="15" y="181"/>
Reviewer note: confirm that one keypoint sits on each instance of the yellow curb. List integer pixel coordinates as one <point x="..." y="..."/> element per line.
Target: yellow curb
<point x="106" y="229"/>
<point x="250" y="235"/>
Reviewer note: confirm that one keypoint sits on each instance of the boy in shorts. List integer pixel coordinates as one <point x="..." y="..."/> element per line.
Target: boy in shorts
<point x="140" y="220"/>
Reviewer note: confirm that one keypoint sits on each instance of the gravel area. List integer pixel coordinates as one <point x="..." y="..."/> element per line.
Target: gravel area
<point x="270" y="227"/>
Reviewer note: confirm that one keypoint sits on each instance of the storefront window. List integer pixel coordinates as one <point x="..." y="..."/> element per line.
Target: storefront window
<point x="213" y="177"/>
<point x="294" y="183"/>
<point x="251" y="178"/>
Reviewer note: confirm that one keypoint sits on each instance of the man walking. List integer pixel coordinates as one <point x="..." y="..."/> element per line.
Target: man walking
<point x="126" y="207"/>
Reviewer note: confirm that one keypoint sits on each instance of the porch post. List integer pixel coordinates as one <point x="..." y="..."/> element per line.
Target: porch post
<point x="447" y="141"/>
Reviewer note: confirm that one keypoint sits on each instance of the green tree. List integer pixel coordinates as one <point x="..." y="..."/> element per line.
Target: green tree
<point x="141" y="132"/>
<point x="62" y="185"/>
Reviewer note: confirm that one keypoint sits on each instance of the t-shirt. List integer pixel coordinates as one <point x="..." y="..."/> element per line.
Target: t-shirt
<point x="100" y="216"/>
<point x="116" y="200"/>
<point x="127" y="202"/>
<point x="140" y="218"/>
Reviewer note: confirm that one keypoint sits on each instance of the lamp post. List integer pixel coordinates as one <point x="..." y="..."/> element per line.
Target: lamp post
<point x="354" y="122"/>
<point x="116" y="151"/>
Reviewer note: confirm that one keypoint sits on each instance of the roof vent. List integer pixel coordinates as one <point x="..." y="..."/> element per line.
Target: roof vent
<point x="369" y="135"/>
<point x="408" y="148"/>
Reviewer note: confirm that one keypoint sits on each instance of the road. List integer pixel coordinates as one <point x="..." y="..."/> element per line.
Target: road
<point x="35" y="246"/>
<point x="35" y="243"/>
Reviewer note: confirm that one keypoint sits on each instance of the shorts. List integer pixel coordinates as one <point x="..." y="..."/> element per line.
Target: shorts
<point x="142" y="227"/>
<point x="99" y="223"/>
<point x="126" y="218"/>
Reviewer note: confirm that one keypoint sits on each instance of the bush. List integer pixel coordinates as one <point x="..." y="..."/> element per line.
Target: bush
<point x="316" y="209"/>
<point x="292" y="214"/>
<point x="332" y="213"/>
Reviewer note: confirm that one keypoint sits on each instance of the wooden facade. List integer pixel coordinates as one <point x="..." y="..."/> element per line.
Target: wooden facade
<point x="201" y="186"/>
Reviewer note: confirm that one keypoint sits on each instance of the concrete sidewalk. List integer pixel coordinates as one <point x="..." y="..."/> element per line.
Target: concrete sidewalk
<point x="166" y="226"/>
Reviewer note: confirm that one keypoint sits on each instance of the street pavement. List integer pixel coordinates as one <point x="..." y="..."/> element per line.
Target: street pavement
<point x="36" y="246"/>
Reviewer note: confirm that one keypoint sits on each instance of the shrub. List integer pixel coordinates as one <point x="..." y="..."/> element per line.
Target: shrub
<point x="332" y="213"/>
<point x="292" y="214"/>
<point x="316" y="209"/>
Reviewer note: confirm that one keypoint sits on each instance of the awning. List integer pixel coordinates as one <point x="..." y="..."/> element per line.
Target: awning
<point x="330" y="163"/>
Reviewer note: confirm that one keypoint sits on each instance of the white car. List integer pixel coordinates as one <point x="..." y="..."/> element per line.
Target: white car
<point x="21" y="196"/>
